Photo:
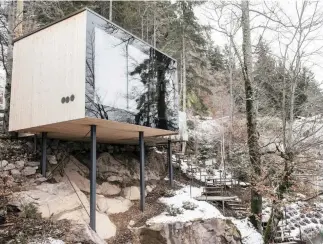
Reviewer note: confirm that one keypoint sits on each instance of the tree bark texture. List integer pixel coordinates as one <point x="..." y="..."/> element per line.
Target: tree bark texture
<point x="253" y="136"/>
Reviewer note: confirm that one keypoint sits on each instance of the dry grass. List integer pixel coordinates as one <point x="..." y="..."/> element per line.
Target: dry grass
<point x="26" y="225"/>
<point x="152" y="208"/>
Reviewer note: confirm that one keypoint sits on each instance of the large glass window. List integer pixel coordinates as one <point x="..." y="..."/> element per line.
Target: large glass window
<point x="128" y="80"/>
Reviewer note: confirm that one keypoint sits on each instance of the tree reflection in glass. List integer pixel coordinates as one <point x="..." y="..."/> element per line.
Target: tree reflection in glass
<point x="129" y="81"/>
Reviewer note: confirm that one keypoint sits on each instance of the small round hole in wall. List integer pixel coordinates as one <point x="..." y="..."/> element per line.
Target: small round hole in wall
<point x="72" y="97"/>
<point x="63" y="100"/>
<point x="67" y="99"/>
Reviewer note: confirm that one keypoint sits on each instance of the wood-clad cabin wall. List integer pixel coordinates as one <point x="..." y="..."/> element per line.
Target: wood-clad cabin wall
<point x="49" y="65"/>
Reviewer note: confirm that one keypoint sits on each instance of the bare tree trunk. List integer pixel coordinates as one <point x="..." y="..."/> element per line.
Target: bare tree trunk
<point x="253" y="136"/>
<point x="231" y="99"/>
<point x="183" y="75"/>
<point x="147" y="28"/>
<point x="110" y="11"/>
<point x="284" y="118"/>
<point x="154" y="25"/>
<point x="7" y="93"/>
<point x="184" y="72"/>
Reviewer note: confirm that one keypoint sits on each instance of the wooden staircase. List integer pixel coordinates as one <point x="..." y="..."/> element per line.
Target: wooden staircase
<point x="238" y="207"/>
<point x="221" y="187"/>
<point x="216" y="190"/>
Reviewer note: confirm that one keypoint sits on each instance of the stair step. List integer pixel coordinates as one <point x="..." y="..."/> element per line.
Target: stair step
<point x="232" y="204"/>
<point x="215" y="190"/>
<point x="211" y="192"/>
<point x="237" y="206"/>
<point x="214" y="187"/>
<point x="286" y="238"/>
<point x="244" y="209"/>
<point x="284" y="231"/>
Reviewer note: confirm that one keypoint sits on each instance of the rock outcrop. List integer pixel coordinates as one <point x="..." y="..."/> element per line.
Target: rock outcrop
<point x="67" y="196"/>
<point x="62" y="201"/>
<point x="211" y="231"/>
<point x="125" y="168"/>
<point x="113" y="205"/>
<point x="132" y="193"/>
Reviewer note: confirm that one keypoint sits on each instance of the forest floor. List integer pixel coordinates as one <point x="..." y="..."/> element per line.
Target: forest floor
<point x="153" y="207"/>
<point x="25" y="225"/>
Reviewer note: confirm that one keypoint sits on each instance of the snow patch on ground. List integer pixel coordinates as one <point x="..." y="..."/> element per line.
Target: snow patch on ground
<point x="204" y="210"/>
<point x="249" y="235"/>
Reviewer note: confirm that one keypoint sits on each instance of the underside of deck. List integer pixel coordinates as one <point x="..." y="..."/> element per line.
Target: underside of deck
<point x="107" y="131"/>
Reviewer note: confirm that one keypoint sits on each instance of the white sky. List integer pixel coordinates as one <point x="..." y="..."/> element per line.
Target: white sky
<point x="207" y="14"/>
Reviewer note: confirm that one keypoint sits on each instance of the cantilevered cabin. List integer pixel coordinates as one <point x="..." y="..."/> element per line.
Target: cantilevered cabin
<point x="84" y="77"/>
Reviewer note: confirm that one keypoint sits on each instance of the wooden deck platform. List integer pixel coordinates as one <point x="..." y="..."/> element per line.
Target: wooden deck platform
<point x="108" y="131"/>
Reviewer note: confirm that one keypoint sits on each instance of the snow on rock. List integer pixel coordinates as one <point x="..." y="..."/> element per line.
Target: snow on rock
<point x="204" y="210"/>
<point x="214" y="230"/>
<point x="249" y="235"/>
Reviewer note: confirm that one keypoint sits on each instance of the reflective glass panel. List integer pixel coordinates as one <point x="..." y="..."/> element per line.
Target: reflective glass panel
<point x="127" y="80"/>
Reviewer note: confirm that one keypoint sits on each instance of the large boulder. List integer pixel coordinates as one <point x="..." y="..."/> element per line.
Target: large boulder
<point x="101" y="204"/>
<point x="76" y="173"/>
<point x="52" y="199"/>
<point x="124" y="168"/>
<point x="64" y="201"/>
<point x="15" y="172"/>
<point x="132" y="193"/>
<point x="81" y="181"/>
<point x="33" y="164"/>
<point x="211" y="231"/>
<point x="113" y="205"/>
<point x="19" y="164"/>
<point x="109" y="167"/>
<point x="81" y="233"/>
<point x="104" y="227"/>
<point x="9" y="166"/>
<point x="29" y="170"/>
<point x="109" y="189"/>
<point x="3" y="163"/>
<point x="118" y="205"/>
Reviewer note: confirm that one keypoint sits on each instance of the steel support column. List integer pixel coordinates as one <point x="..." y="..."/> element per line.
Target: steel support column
<point x="170" y="165"/>
<point x="93" y="178"/>
<point x="43" y="153"/>
<point x="142" y="170"/>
